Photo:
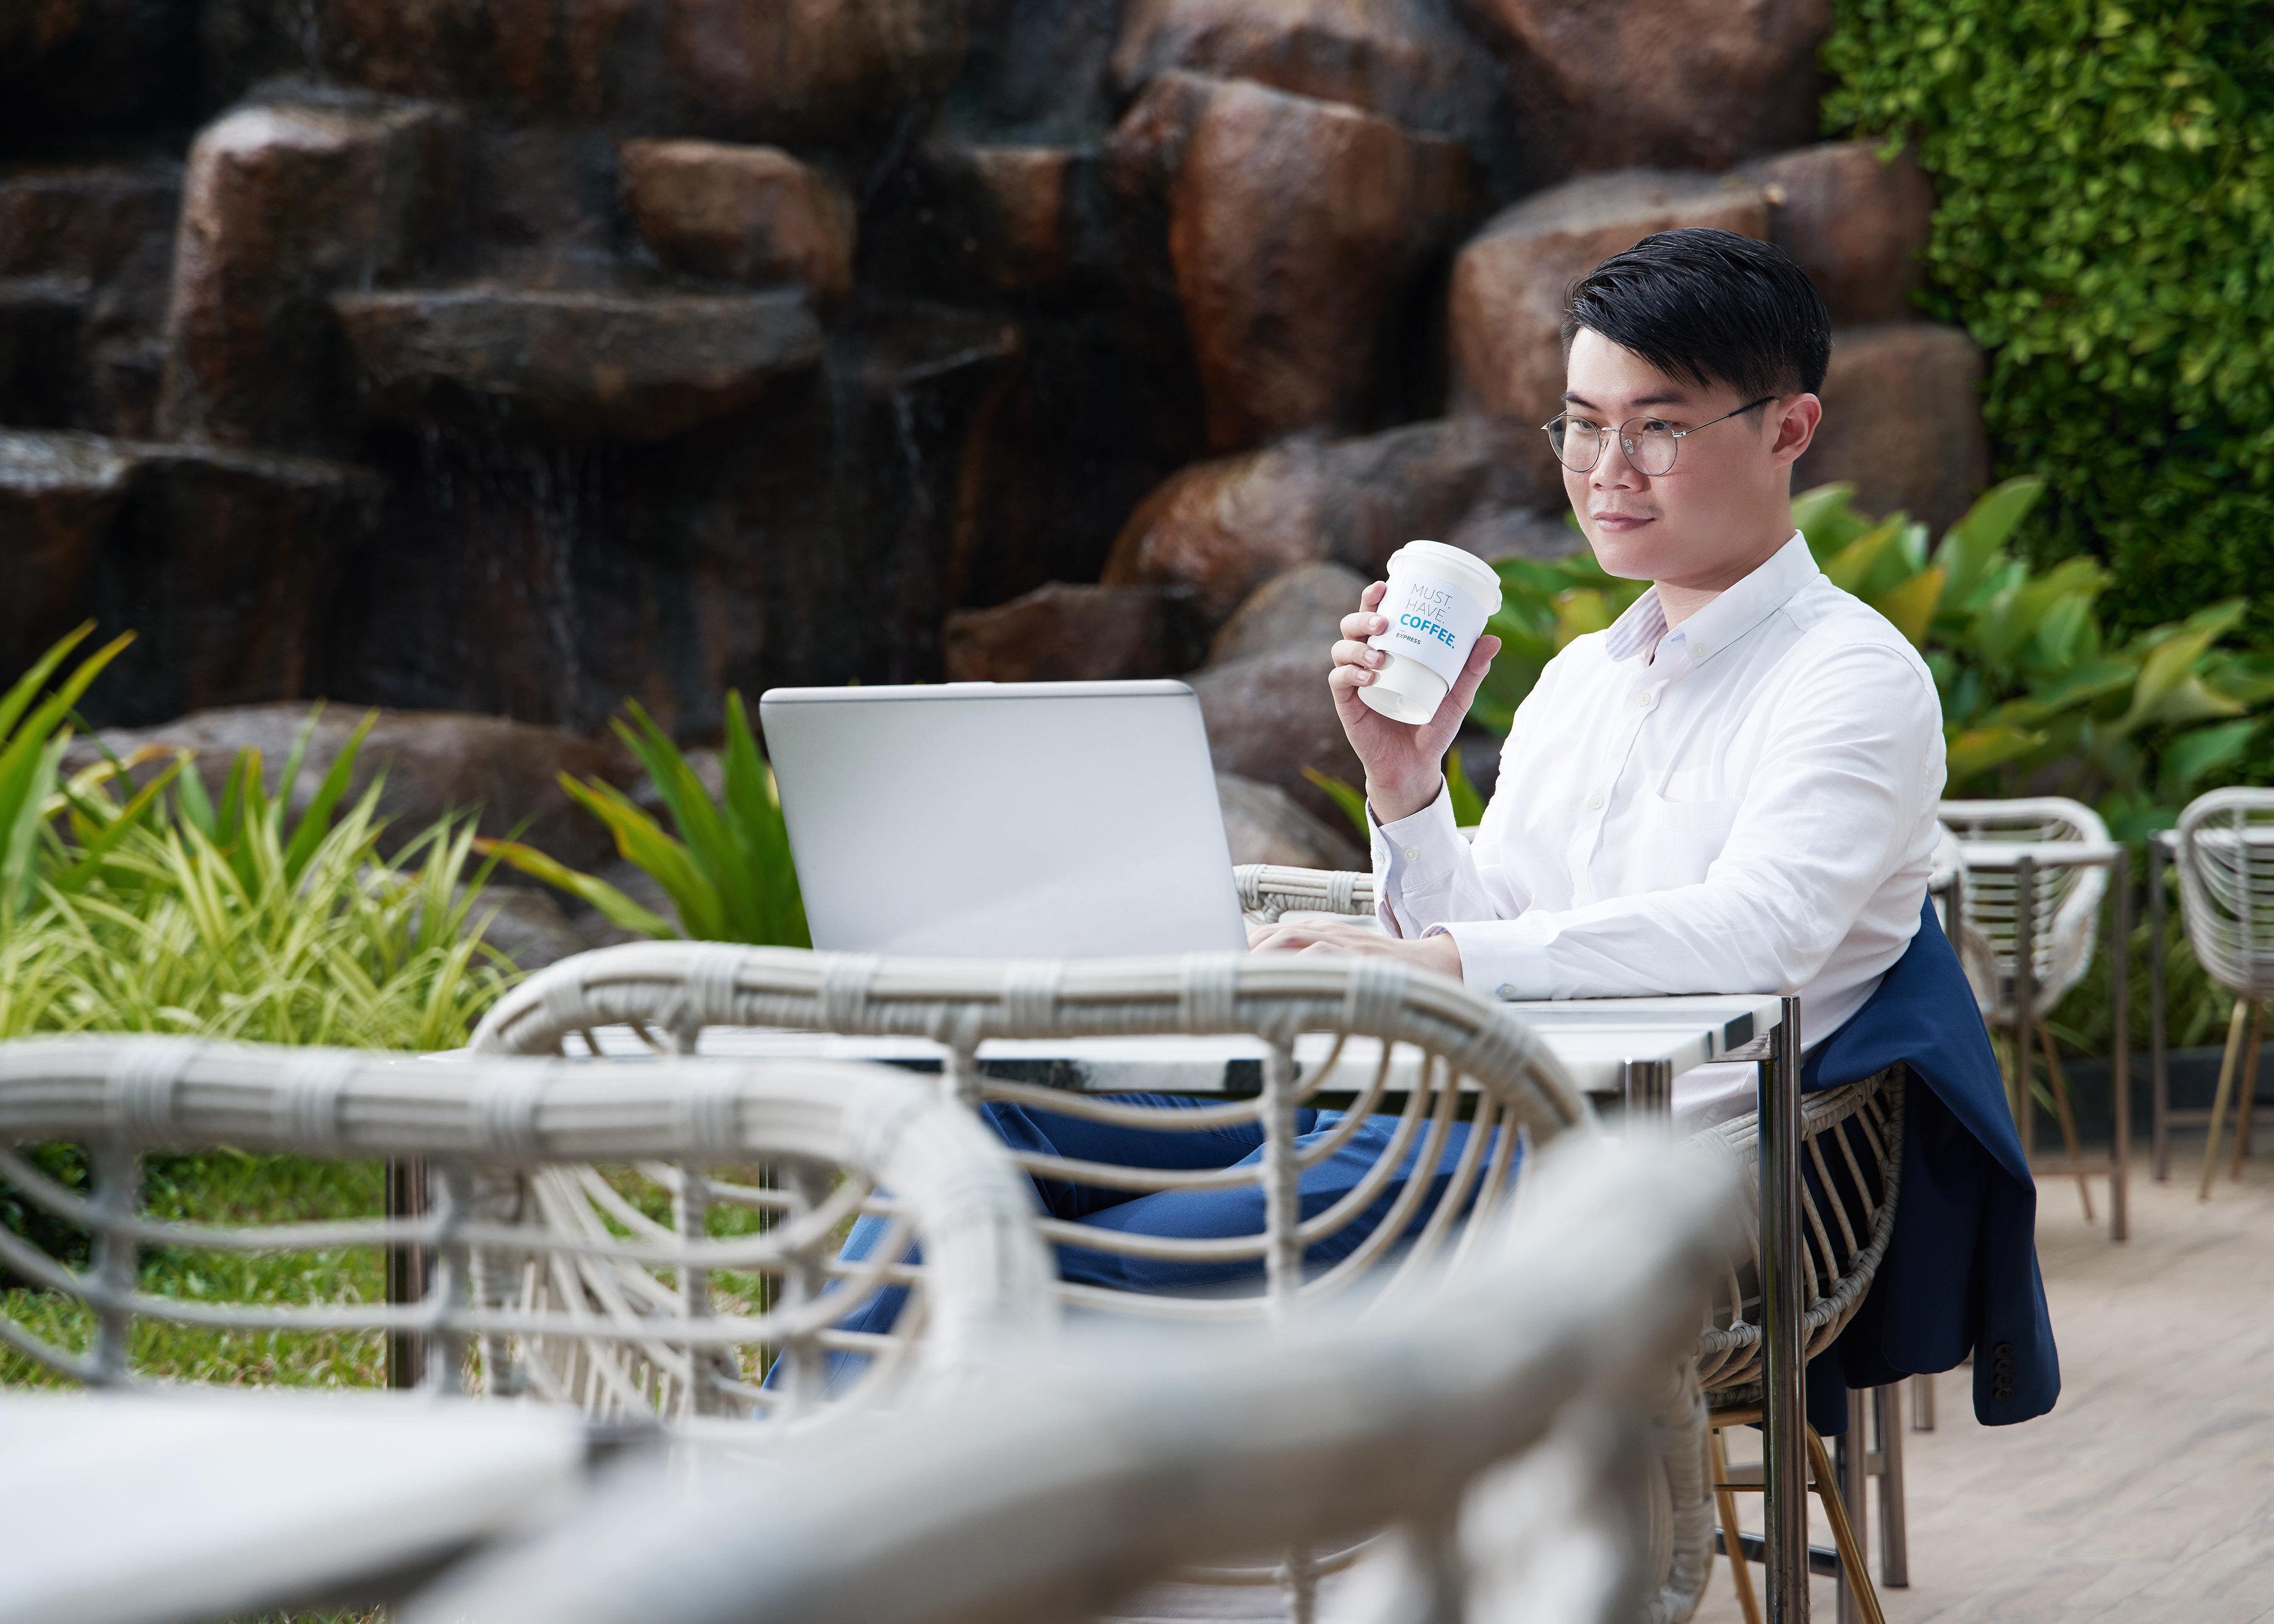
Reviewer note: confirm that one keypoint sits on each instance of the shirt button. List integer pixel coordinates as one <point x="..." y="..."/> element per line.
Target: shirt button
<point x="1505" y="990"/>
<point x="1642" y="700"/>
<point x="1412" y="853"/>
<point x="1594" y="803"/>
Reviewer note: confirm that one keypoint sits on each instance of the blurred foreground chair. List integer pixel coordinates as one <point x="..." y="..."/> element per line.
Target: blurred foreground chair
<point x="2226" y="849"/>
<point x="1449" y="1053"/>
<point x="1499" y="1421"/>
<point x="2024" y="959"/>
<point x="549" y="1281"/>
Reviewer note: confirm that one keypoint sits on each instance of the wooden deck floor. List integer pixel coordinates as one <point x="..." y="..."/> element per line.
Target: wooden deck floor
<point x="2148" y="1493"/>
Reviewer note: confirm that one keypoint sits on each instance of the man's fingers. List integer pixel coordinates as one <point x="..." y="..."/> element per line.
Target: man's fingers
<point x="1371" y="598"/>
<point x="1349" y="679"/>
<point x="1473" y="676"/>
<point x="1364" y="624"/>
<point x="1349" y="653"/>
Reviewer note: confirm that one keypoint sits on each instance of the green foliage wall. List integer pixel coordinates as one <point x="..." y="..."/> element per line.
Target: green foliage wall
<point x="2104" y="227"/>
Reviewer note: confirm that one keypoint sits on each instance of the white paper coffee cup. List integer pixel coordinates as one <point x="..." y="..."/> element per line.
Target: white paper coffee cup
<point x="1438" y="602"/>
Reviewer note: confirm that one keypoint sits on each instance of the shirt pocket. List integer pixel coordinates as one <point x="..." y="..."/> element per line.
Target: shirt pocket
<point x="1679" y="839"/>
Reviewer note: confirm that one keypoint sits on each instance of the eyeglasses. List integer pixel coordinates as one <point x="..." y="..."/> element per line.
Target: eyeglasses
<point x="1649" y="443"/>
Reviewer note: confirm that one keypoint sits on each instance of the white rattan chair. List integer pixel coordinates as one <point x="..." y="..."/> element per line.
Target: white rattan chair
<point x="1494" y="1419"/>
<point x="2061" y="930"/>
<point x="1854" y="1143"/>
<point x="550" y="1281"/>
<point x="1439" y="1046"/>
<point x="2225" y="842"/>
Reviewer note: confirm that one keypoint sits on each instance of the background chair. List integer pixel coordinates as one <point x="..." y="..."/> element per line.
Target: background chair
<point x="2058" y="935"/>
<point x="550" y="1281"/>
<point x="1056" y="1491"/>
<point x="2226" y="851"/>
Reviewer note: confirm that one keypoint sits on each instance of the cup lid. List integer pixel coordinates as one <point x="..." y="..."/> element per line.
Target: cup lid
<point x="1457" y="564"/>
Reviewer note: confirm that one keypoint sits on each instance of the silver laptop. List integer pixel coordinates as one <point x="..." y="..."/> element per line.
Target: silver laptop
<point x="1012" y="820"/>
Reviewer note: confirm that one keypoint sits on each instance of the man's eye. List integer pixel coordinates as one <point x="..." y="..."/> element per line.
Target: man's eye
<point x="1657" y="425"/>
<point x="1582" y="425"/>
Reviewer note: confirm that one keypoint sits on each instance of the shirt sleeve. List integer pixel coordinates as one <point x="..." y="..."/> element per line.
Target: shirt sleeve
<point x="1425" y="870"/>
<point x="1825" y="819"/>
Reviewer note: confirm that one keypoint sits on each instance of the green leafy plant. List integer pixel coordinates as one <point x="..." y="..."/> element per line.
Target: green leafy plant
<point x="2036" y="693"/>
<point x="35" y="731"/>
<point x="2104" y="179"/>
<point x="726" y="864"/>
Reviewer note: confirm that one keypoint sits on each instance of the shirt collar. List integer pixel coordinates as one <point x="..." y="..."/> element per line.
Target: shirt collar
<point x="1728" y="617"/>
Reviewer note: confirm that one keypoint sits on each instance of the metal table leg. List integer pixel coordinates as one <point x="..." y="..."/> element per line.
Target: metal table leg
<point x="2025" y="998"/>
<point x="1894" y="1527"/>
<point x="406" y="1272"/>
<point x="2120" y="1060"/>
<point x="2159" y="1147"/>
<point x="1784" y="1453"/>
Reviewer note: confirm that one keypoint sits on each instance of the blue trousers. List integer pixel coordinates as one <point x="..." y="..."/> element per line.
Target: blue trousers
<point x="1187" y="1213"/>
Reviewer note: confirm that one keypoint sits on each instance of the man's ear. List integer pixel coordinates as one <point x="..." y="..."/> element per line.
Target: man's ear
<point x="1795" y="420"/>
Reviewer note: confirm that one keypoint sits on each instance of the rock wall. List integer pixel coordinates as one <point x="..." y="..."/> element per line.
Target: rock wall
<point x="518" y="355"/>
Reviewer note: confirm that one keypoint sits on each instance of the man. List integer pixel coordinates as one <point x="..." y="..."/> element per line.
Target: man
<point x="1734" y="788"/>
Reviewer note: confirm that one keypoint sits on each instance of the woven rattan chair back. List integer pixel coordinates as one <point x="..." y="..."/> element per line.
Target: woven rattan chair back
<point x="2064" y="902"/>
<point x="2226" y="887"/>
<point x="1059" y="1490"/>
<point x="1443" y="1047"/>
<point x="553" y="1280"/>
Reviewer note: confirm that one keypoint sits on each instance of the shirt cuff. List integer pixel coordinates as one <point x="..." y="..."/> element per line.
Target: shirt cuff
<point x="1505" y="957"/>
<point x="1419" y="852"/>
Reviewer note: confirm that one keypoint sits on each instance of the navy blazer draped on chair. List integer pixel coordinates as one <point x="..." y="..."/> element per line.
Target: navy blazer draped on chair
<point x="1961" y="1270"/>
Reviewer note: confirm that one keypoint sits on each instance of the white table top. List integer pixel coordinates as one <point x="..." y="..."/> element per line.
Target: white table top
<point x="1596" y="1039"/>
<point x="121" y="1508"/>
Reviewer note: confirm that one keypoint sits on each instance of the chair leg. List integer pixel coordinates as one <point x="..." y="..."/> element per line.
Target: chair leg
<point x="1741" y="1571"/>
<point x="2226" y="1069"/>
<point x="2059" y="1080"/>
<point x="1922" y="1403"/>
<point x="2246" y="1089"/>
<point x="1851" y="1555"/>
<point x="1894" y="1527"/>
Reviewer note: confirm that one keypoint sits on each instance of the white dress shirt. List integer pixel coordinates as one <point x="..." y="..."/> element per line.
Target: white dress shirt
<point x="1745" y="803"/>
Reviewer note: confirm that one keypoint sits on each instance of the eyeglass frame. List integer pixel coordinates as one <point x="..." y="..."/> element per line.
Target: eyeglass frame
<point x="1626" y="443"/>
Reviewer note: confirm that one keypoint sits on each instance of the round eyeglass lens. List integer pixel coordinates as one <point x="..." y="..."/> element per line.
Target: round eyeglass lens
<point x="1577" y="444"/>
<point x="1650" y="446"/>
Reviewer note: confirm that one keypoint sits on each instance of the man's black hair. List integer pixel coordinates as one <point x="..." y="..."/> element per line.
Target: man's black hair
<point x="1709" y="308"/>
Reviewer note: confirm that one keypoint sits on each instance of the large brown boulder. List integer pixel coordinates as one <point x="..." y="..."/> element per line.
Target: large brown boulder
<point x="1263" y="824"/>
<point x="284" y="203"/>
<point x="1061" y="633"/>
<point x="1696" y="83"/>
<point x="1270" y="716"/>
<point x="86" y="260"/>
<point x="808" y="68"/>
<point x="1903" y="421"/>
<point x="434" y="761"/>
<point x="617" y="365"/>
<point x="1410" y="63"/>
<point x="1223" y="527"/>
<point x="1513" y="279"/>
<point x="1302" y="608"/>
<point x="741" y="214"/>
<point x="224" y="565"/>
<point x="59" y="497"/>
<point x="1857" y="223"/>
<point x="1298" y="231"/>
